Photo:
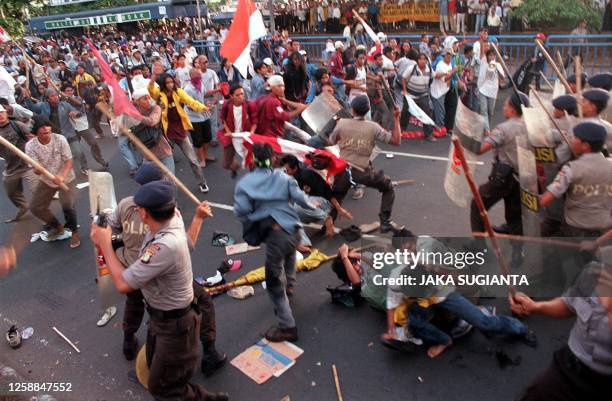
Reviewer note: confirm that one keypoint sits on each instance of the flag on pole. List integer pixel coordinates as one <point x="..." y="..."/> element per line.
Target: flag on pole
<point x="4" y="37"/>
<point x="247" y="27"/>
<point x="336" y="165"/>
<point x="121" y="103"/>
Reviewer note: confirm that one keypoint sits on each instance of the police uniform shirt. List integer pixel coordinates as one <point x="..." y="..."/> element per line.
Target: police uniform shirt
<point x="163" y="271"/>
<point x="591" y="338"/>
<point x="589" y="200"/>
<point x="503" y="138"/>
<point x="126" y="220"/>
<point x="563" y="151"/>
<point x="356" y="138"/>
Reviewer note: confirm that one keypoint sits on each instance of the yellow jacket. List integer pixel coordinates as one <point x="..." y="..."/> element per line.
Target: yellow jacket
<point x="180" y="98"/>
<point x="86" y="77"/>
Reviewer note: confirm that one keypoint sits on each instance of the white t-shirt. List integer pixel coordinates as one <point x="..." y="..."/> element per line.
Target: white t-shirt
<point x="388" y="66"/>
<point x="223" y="32"/>
<point x="360" y="78"/>
<point x="237" y="118"/>
<point x="336" y="13"/>
<point x="488" y="80"/>
<point x="347" y="32"/>
<point x="440" y="86"/>
<point x="183" y="75"/>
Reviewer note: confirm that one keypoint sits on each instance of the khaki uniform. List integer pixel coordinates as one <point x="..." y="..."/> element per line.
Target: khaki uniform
<point x="502" y="182"/>
<point x="587" y="184"/>
<point x="163" y="274"/>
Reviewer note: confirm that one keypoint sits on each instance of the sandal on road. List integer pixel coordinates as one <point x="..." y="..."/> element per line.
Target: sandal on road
<point x="107" y="316"/>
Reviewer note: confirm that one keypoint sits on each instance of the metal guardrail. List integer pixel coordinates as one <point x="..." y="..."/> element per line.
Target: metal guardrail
<point x="596" y="51"/>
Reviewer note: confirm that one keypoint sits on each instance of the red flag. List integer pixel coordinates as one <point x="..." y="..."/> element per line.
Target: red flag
<point x="336" y="165"/>
<point x="121" y="103"/>
<point x="247" y="26"/>
<point x="4" y="37"/>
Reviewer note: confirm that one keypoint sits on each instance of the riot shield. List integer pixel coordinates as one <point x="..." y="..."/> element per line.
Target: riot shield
<point x="321" y="115"/>
<point x="528" y="179"/>
<point x="469" y="128"/>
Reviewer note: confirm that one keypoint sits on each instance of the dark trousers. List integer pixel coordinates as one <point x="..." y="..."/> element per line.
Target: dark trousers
<point x="172" y="353"/>
<point x="450" y="109"/>
<point x="372" y="179"/>
<point x="13" y="185"/>
<point x="88" y="137"/>
<point x="280" y="273"/>
<point x="424" y="102"/>
<point x="41" y="200"/>
<point x="94" y="116"/>
<point x="568" y="379"/>
<point x="135" y="309"/>
<point x="491" y="193"/>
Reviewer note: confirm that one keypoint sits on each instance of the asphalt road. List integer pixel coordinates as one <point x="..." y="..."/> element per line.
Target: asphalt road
<point x="54" y="286"/>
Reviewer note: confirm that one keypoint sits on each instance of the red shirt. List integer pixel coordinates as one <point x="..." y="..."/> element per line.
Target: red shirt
<point x="272" y="116"/>
<point x="335" y="65"/>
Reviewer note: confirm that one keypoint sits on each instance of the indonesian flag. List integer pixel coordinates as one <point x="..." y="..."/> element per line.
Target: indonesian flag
<point x="4" y="37"/>
<point x="417" y="112"/>
<point x="284" y="146"/>
<point x="247" y="27"/>
<point x="121" y="103"/>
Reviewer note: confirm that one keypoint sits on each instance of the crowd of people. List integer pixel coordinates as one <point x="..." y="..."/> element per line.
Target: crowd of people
<point x="57" y="102"/>
<point x="458" y="16"/>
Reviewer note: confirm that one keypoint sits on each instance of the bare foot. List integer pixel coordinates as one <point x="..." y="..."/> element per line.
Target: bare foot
<point x="303" y="249"/>
<point x="436" y="350"/>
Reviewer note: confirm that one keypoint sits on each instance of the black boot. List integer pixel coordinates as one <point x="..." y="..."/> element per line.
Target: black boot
<point x="130" y="346"/>
<point x="277" y="335"/>
<point x="386" y="224"/>
<point x="211" y="359"/>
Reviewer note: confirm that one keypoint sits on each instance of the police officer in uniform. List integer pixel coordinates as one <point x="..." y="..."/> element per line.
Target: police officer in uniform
<point x="594" y="103"/>
<point x="126" y="220"/>
<point x="163" y="274"/>
<point x="503" y="183"/>
<point x="581" y="369"/>
<point x="586" y="183"/>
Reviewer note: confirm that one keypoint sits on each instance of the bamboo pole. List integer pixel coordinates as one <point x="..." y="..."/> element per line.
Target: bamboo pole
<point x="522" y="238"/>
<point x="578" y="72"/>
<point x="483" y="211"/>
<point x="553" y="65"/>
<point x="337" y="383"/>
<point x="31" y="161"/>
<point x="547" y="81"/>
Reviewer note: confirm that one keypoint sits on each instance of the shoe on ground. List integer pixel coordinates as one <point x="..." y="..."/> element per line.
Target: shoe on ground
<point x="203" y="188"/>
<point x="460" y="329"/>
<point x="211" y="365"/>
<point x="221" y="396"/>
<point x="404" y="346"/>
<point x="55" y="232"/>
<point x="358" y="194"/>
<point x="85" y="172"/>
<point x="13" y="337"/>
<point x="502" y="229"/>
<point x="130" y="347"/>
<point x="529" y="338"/>
<point x="109" y="313"/>
<point x="277" y="335"/>
<point x="18" y="216"/>
<point x="390" y="225"/>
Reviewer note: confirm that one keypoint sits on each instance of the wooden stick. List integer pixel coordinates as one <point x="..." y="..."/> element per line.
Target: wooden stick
<point x="578" y="72"/>
<point x="66" y="339"/>
<point x="547" y="81"/>
<point x="147" y="152"/>
<point x="505" y="67"/>
<point x="337" y="383"/>
<point x="560" y="60"/>
<point x="31" y="161"/>
<point x="563" y="135"/>
<point x="539" y="240"/>
<point x="483" y="211"/>
<point x="553" y="65"/>
<point x="402" y="182"/>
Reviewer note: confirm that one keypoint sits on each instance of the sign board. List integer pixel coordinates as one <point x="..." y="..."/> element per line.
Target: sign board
<point x="55" y="3"/>
<point x="422" y="10"/>
<point x="98" y="20"/>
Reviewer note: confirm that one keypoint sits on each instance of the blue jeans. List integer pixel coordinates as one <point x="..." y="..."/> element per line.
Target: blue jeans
<point x="312" y="216"/>
<point x="459" y="306"/>
<point x="439" y="111"/>
<point x="131" y="156"/>
<point x="168" y="161"/>
<point x="480" y="20"/>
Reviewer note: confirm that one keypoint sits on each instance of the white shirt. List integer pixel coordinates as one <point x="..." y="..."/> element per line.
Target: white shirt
<point x="183" y="75"/>
<point x="488" y="80"/>
<point x="191" y="54"/>
<point x="237" y="118"/>
<point x="320" y="14"/>
<point x="347" y="32"/>
<point x="336" y="13"/>
<point x="439" y="87"/>
<point x="388" y="66"/>
<point x="360" y="79"/>
<point x="223" y="32"/>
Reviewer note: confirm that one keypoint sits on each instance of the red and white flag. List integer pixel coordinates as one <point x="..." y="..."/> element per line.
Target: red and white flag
<point x="4" y="37"/>
<point x="336" y="164"/>
<point x="248" y="26"/>
<point x="121" y="103"/>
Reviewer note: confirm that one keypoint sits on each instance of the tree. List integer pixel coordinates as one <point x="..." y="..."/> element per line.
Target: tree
<point x="13" y="13"/>
<point x="563" y="14"/>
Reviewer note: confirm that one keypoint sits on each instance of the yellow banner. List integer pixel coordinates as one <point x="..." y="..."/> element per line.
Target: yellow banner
<point x="421" y="10"/>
